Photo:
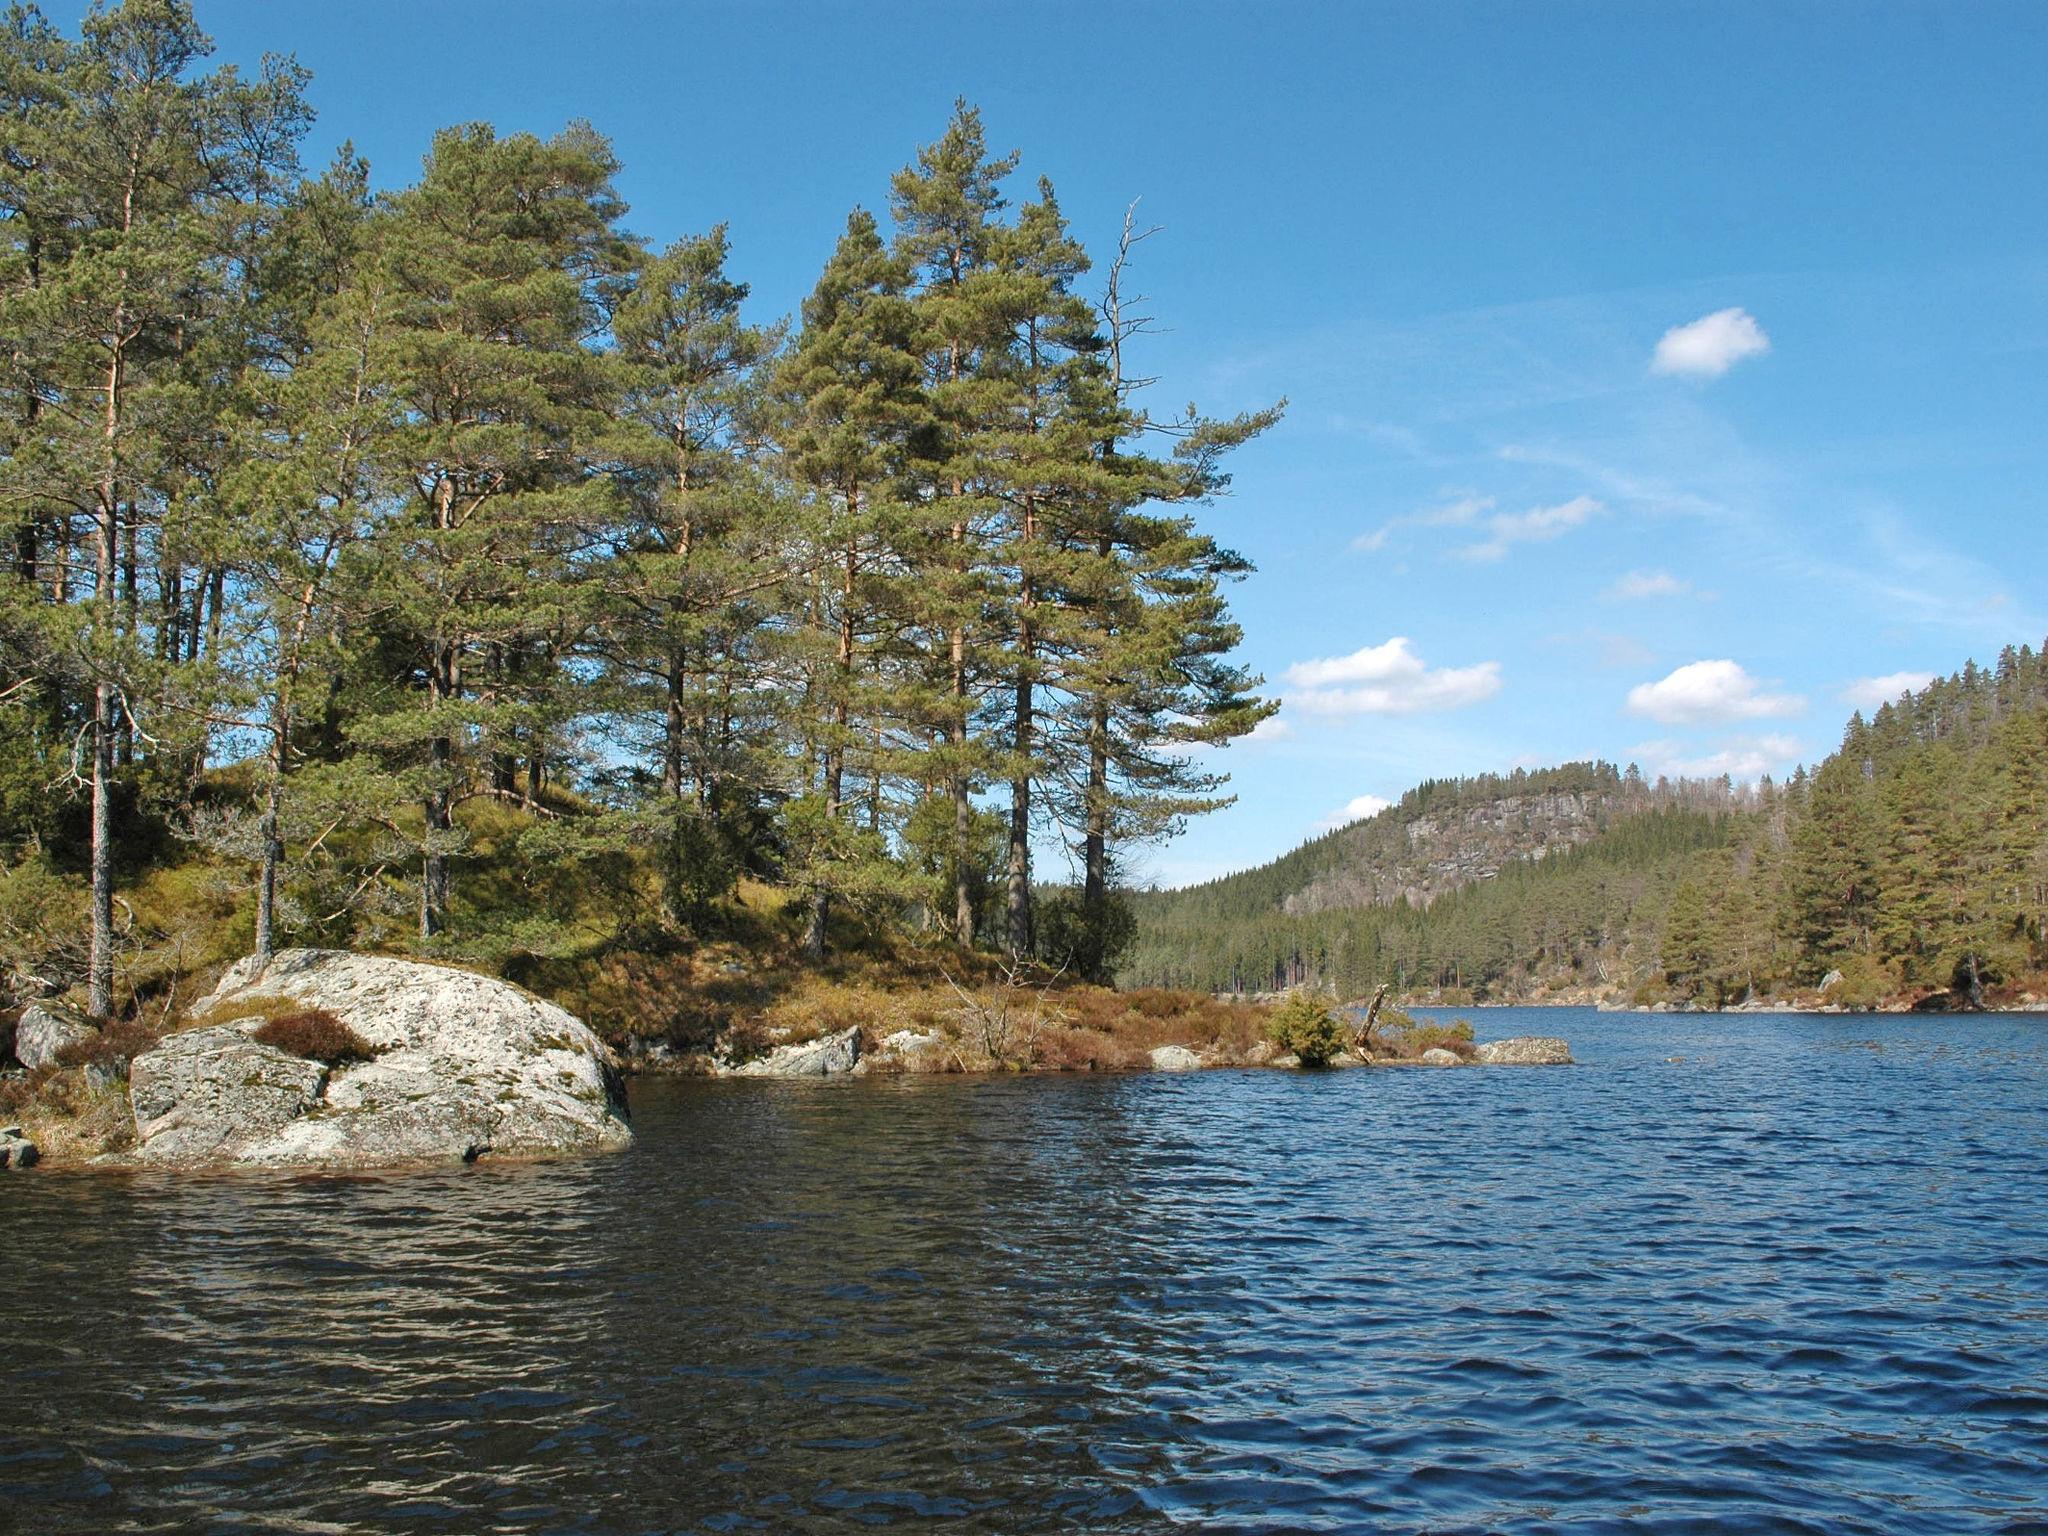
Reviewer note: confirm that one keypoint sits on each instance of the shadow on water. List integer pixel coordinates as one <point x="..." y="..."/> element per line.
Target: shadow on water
<point x="1740" y="1272"/>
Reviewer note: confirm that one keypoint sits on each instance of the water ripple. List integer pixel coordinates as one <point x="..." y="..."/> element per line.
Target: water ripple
<point x="1795" y="1279"/>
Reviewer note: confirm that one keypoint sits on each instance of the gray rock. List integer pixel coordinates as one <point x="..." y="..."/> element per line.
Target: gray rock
<point x="215" y="1093"/>
<point x="466" y="1065"/>
<point x="826" y="1056"/>
<point x="1437" y="1056"/>
<point x="1174" y="1058"/>
<point x="47" y="1028"/>
<point x="905" y="1041"/>
<point x="1526" y="1051"/>
<point x="16" y="1150"/>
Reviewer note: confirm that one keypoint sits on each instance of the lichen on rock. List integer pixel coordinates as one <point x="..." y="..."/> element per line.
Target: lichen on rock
<point x="465" y="1066"/>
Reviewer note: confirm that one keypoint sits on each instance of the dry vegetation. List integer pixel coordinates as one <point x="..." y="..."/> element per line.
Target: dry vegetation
<point x="315" y="1034"/>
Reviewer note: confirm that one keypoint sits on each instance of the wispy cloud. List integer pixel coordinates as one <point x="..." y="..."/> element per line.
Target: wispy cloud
<point x="1710" y="693"/>
<point x="1637" y="585"/>
<point x="1506" y="529"/>
<point x="1457" y="514"/>
<point x="1387" y="679"/>
<point x="1358" y="808"/>
<point x="1708" y="347"/>
<point x="1872" y="692"/>
<point x="1740" y="757"/>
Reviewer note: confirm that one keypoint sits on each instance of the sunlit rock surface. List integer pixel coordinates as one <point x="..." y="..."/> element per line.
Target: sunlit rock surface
<point x="467" y="1066"/>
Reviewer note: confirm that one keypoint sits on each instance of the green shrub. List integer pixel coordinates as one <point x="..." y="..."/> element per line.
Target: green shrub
<point x="1305" y="1025"/>
<point x="316" y="1035"/>
<point x="1866" y="982"/>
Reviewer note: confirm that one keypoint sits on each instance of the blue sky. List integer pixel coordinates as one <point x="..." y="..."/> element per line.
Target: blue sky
<point x="1660" y="375"/>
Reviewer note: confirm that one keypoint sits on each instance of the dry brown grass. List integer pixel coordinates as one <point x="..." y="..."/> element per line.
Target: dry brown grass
<point x="1053" y="1026"/>
<point x="1407" y="1039"/>
<point x="260" y="1006"/>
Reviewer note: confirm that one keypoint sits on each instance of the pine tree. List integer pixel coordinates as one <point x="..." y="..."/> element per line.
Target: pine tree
<point x="144" y="175"/>
<point x="947" y="206"/>
<point x="503" y="264"/>
<point x="852" y="398"/>
<point x="702" y="552"/>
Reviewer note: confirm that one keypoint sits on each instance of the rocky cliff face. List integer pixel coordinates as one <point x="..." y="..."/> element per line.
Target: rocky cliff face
<point x="1437" y="852"/>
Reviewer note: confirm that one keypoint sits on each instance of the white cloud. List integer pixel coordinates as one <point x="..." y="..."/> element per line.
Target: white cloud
<point x="1537" y="524"/>
<point x="1358" y="808"/>
<point x="1641" y="584"/>
<point x="1458" y="514"/>
<point x="1873" y="692"/>
<point x="1272" y="728"/>
<point x="1710" y="345"/>
<point x="1388" y="679"/>
<point x="1742" y="757"/>
<point x="1708" y="693"/>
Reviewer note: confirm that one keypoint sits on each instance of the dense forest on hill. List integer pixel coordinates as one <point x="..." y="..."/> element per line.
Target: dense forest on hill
<point x="1912" y="861"/>
<point x="448" y="569"/>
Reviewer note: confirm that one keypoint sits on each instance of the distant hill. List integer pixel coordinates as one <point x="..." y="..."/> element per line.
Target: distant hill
<point x="1913" y="861"/>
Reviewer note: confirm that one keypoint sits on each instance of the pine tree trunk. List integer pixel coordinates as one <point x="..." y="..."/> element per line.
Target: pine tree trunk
<point x="835" y="749"/>
<point x="673" y="728"/>
<point x="963" y="807"/>
<point x="1019" y="905"/>
<point x="443" y="679"/>
<point x="100" y="954"/>
<point x="273" y="846"/>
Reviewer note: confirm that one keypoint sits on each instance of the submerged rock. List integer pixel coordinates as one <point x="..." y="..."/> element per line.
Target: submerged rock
<point x="16" y="1150"/>
<point x="466" y="1065"/>
<point x="1174" y="1058"/>
<point x="1437" y="1056"/>
<point x="826" y="1056"/>
<point x="47" y="1028"/>
<point x="1526" y="1051"/>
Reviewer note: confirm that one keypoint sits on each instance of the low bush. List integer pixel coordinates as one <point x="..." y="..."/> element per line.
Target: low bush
<point x="1305" y="1025"/>
<point x="118" y="1042"/>
<point x="1408" y="1040"/>
<point x="1866" y="982"/>
<point x="317" y="1035"/>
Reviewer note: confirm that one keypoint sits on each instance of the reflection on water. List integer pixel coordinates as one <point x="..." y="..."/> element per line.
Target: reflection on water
<point x="1796" y="1279"/>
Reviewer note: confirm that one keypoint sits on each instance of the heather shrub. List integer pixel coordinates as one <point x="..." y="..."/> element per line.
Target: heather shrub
<point x="118" y="1042"/>
<point x="1304" y="1024"/>
<point x="317" y="1035"/>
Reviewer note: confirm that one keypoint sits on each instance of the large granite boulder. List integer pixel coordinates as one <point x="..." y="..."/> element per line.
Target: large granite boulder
<point x="464" y="1066"/>
<point x="1526" y="1051"/>
<point x="826" y="1056"/>
<point x="1437" y="1056"/>
<point x="47" y="1028"/>
<point x="1174" y="1058"/>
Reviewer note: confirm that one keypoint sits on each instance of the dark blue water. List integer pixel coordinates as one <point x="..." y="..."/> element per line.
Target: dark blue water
<point x="1794" y="1280"/>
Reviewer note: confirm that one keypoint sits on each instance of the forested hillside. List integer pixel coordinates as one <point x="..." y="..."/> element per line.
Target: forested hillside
<point x="1913" y="861"/>
<point x="447" y="569"/>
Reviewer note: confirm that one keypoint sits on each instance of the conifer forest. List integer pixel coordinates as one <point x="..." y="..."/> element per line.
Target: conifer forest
<point x="451" y="570"/>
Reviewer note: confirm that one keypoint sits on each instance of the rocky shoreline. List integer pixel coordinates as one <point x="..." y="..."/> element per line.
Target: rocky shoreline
<point x="846" y="1053"/>
<point x="326" y="1059"/>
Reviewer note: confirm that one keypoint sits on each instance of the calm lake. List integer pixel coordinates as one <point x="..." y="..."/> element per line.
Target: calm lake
<point x="1733" y="1273"/>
